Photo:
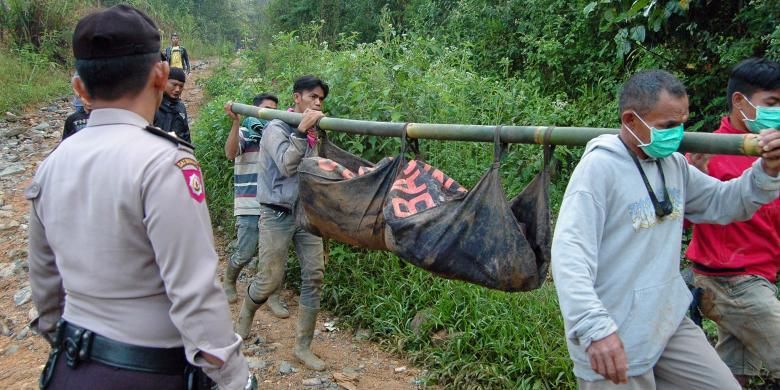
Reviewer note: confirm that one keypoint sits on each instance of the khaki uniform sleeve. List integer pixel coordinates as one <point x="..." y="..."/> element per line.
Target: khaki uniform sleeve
<point x="179" y="228"/>
<point x="48" y="295"/>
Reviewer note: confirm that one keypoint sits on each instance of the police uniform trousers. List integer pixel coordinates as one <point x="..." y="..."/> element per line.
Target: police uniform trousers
<point x="94" y="375"/>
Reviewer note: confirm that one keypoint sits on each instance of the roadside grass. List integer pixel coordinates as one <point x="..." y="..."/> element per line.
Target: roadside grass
<point x="465" y="336"/>
<point x="28" y="77"/>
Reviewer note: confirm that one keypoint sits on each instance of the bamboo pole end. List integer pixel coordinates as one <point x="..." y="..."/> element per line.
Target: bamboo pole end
<point x="750" y="145"/>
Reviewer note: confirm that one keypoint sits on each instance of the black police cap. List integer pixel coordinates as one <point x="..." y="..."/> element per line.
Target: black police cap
<point x="115" y="32"/>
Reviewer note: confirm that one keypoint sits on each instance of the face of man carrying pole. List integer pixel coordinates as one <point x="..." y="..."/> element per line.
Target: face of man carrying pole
<point x="309" y="94"/>
<point x="652" y="114"/>
<point x="617" y="278"/>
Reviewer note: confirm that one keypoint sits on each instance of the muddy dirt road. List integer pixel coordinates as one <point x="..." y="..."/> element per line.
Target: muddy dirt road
<point x="26" y="138"/>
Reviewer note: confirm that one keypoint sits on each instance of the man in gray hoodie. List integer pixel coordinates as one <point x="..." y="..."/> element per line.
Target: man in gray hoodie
<point x="616" y="248"/>
<point x="281" y="150"/>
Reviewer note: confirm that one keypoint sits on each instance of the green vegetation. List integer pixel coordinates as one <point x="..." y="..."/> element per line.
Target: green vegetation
<point x="540" y="62"/>
<point x="568" y="47"/>
<point x="29" y="77"/>
<point x="490" y="339"/>
<point x="35" y="38"/>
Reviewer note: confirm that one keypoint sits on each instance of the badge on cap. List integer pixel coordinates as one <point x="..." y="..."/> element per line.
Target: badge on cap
<point x="194" y="179"/>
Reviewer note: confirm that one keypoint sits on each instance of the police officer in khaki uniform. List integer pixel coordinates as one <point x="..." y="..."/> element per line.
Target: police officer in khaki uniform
<point x="122" y="261"/>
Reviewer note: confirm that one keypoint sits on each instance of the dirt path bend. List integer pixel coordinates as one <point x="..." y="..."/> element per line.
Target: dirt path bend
<point x="26" y="139"/>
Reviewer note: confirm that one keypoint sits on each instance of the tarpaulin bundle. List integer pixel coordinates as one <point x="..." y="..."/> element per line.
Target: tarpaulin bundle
<point x="341" y="196"/>
<point x="431" y="221"/>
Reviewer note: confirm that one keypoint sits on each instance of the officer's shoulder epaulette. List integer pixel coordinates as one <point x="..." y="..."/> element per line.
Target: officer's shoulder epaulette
<point x="170" y="137"/>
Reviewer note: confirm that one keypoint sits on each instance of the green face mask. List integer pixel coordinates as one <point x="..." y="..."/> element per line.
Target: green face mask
<point x="766" y="118"/>
<point x="663" y="142"/>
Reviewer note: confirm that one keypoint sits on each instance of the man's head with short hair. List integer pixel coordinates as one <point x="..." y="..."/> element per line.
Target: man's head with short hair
<point x="651" y="99"/>
<point x="117" y="57"/>
<point x="309" y="92"/>
<point x="175" y="39"/>
<point x="642" y="91"/>
<point x="175" y="85"/>
<point x="753" y="82"/>
<point x="265" y="100"/>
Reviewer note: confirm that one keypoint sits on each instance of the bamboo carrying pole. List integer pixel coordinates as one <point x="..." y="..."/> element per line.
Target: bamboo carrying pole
<point x="740" y="144"/>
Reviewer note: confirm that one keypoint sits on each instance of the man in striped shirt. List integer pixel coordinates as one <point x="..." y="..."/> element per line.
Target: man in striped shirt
<point x="243" y="146"/>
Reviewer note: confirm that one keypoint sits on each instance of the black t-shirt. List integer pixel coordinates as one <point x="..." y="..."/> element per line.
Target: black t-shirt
<point x="74" y="123"/>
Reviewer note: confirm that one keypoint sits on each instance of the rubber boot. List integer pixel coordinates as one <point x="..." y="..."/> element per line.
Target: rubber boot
<point x="247" y="316"/>
<point x="276" y="306"/>
<point x="229" y="282"/>
<point x="307" y="319"/>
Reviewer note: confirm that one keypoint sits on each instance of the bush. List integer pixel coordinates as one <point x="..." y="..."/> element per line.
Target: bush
<point x="29" y="77"/>
<point x="35" y="39"/>
<point x="492" y="339"/>
<point x="570" y="47"/>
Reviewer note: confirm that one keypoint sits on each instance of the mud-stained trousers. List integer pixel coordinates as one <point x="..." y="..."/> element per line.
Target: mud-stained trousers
<point x="747" y="311"/>
<point x="277" y="230"/>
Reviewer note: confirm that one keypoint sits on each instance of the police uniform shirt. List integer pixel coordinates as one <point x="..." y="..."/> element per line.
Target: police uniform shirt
<point x="129" y="253"/>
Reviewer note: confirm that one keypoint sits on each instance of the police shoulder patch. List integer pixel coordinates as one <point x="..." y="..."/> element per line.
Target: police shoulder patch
<point x="193" y="178"/>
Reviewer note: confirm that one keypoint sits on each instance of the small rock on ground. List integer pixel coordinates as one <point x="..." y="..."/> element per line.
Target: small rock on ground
<point x="23" y="333"/>
<point x="257" y="363"/>
<point x="32" y="314"/>
<point x="285" y="368"/>
<point x="11" y="170"/>
<point x="42" y="126"/>
<point x="363" y="334"/>
<point x="7" y="270"/>
<point x="23" y="296"/>
<point x="11" y="350"/>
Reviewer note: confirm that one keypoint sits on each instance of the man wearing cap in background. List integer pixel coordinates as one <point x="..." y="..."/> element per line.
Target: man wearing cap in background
<point x="129" y="299"/>
<point x="172" y="114"/>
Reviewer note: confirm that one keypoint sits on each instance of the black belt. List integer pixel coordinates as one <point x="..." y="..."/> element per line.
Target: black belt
<point x="706" y="269"/>
<point x="277" y="208"/>
<point x="80" y="344"/>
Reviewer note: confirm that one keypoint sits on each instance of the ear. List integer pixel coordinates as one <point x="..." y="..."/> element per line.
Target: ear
<point x="628" y="117"/>
<point x="297" y="97"/>
<point x="738" y="100"/>
<point x="79" y="88"/>
<point x="159" y="75"/>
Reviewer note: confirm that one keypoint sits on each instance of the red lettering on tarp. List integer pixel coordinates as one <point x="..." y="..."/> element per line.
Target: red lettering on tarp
<point x="403" y="208"/>
<point x="326" y="165"/>
<point x="407" y="185"/>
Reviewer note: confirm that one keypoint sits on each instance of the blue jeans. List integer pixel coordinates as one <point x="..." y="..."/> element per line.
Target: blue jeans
<point x="247" y="240"/>
<point x="277" y="231"/>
